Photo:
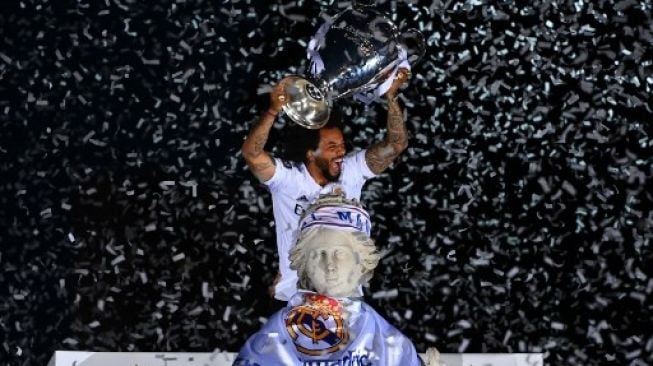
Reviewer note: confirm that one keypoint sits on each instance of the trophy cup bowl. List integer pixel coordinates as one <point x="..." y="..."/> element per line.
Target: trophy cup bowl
<point x="353" y="53"/>
<point x="305" y="104"/>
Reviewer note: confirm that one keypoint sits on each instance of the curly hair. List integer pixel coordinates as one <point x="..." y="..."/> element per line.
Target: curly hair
<point x="364" y="248"/>
<point x="297" y="140"/>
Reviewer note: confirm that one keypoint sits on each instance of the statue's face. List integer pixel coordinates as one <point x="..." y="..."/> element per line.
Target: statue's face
<point x="333" y="268"/>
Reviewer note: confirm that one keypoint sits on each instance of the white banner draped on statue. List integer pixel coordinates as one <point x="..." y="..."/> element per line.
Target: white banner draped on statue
<point x="315" y="330"/>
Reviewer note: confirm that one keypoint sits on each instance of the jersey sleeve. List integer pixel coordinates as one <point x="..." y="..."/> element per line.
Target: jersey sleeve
<point x="359" y="166"/>
<point x="282" y="174"/>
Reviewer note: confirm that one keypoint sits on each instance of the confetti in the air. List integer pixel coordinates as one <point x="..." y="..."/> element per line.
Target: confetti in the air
<point x="518" y="220"/>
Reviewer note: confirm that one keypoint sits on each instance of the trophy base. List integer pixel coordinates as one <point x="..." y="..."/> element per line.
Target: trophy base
<point x="307" y="105"/>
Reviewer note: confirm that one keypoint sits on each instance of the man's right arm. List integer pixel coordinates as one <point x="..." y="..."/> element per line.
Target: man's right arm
<point x="259" y="161"/>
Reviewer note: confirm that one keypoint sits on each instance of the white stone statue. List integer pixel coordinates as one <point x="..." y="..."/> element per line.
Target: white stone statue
<point x="326" y="322"/>
<point x="333" y="262"/>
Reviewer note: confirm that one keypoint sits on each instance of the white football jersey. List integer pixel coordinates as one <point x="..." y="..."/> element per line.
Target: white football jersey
<point x="293" y="190"/>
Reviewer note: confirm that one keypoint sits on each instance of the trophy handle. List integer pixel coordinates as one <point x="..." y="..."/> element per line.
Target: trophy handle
<point x="414" y="43"/>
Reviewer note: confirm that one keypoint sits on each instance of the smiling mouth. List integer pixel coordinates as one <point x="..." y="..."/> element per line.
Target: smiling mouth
<point x="337" y="163"/>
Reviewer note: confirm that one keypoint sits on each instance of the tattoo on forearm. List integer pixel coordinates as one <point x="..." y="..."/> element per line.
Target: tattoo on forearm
<point x="259" y="161"/>
<point x="259" y="142"/>
<point x="397" y="133"/>
<point x="258" y="135"/>
<point x="381" y="155"/>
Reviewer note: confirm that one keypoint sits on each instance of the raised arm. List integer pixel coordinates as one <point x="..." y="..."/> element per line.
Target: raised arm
<point x="380" y="155"/>
<point x="259" y="161"/>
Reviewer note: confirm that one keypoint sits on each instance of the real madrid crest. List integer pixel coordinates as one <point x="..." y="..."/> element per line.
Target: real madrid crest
<point x="317" y="326"/>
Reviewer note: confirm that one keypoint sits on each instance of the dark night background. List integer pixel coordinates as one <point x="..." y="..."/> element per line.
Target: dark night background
<point x="517" y="221"/>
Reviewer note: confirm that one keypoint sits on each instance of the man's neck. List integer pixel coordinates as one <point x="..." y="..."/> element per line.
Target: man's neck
<point x="316" y="174"/>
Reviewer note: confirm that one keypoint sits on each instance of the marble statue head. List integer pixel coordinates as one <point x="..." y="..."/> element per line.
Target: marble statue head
<point x="334" y="253"/>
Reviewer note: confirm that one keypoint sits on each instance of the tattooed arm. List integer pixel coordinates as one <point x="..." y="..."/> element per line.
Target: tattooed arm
<point x="259" y="161"/>
<point x="380" y="155"/>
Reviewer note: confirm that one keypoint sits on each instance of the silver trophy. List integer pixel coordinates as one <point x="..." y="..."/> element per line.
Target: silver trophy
<point x="352" y="53"/>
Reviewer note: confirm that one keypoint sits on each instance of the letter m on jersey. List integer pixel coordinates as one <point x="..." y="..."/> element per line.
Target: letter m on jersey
<point x="345" y="216"/>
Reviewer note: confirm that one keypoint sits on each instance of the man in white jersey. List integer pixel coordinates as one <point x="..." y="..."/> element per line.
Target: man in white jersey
<point x="317" y="163"/>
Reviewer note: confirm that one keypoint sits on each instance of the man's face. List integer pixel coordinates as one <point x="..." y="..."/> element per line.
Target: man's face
<point x="330" y="152"/>
<point x="333" y="268"/>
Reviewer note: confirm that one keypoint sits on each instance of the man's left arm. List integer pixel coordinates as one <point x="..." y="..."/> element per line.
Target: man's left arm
<point x="380" y="155"/>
